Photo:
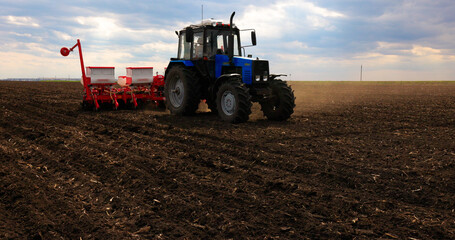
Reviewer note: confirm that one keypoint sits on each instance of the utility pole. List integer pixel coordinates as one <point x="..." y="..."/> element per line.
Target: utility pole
<point x="361" y="72"/>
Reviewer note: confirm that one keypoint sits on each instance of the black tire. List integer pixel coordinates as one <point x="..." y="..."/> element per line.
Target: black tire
<point x="280" y="106"/>
<point x="182" y="91"/>
<point x="233" y="101"/>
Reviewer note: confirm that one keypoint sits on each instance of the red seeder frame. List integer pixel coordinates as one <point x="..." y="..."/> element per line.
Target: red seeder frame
<point x="108" y="93"/>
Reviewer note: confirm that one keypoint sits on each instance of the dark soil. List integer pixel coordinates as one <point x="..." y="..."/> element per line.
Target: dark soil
<point x="356" y="160"/>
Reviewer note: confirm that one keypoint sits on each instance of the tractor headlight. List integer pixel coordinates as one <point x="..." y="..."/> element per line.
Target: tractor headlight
<point x="258" y="78"/>
<point x="266" y="76"/>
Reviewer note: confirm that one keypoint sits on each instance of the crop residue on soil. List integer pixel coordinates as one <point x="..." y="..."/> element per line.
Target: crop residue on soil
<point x="368" y="160"/>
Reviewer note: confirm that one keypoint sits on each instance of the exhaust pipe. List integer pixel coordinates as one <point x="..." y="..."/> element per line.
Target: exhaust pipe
<point x="231" y="40"/>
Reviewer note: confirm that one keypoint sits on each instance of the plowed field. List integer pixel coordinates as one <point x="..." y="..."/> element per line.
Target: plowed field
<point x="356" y="160"/>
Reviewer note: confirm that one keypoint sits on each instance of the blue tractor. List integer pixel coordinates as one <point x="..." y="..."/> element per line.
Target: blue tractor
<point x="210" y="66"/>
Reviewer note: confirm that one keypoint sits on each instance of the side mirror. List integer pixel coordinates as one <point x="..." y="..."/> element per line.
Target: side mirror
<point x="189" y="34"/>
<point x="253" y="38"/>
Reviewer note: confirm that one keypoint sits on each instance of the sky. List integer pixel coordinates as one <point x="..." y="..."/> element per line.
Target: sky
<point x="392" y="40"/>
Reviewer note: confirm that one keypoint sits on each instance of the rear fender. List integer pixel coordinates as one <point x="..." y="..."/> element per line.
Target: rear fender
<point x="171" y="65"/>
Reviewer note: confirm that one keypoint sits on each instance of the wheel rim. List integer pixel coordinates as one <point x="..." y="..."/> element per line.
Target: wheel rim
<point x="228" y="103"/>
<point x="177" y="92"/>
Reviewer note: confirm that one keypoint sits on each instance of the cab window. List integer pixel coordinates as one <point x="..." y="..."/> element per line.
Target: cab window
<point x="222" y="43"/>
<point x="198" y="47"/>
<point x="184" y="48"/>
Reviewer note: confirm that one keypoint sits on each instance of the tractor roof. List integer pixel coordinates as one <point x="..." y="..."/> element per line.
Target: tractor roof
<point x="211" y="23"/>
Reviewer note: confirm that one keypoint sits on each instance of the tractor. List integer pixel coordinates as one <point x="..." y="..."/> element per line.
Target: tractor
<point x="210" y="66"/>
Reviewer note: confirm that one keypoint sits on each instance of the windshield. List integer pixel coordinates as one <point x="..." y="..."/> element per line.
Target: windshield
<point x="218" y="42"/>
<point x="214" y="42"/>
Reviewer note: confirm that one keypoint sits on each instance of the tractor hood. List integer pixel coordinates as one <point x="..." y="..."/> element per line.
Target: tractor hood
<point x="252" y="70"/>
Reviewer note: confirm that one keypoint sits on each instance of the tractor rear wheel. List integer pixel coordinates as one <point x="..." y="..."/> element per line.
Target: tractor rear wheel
<point x="182" y="91"/>
<point x="233" y="101"/>
<point x="280" y="105"/>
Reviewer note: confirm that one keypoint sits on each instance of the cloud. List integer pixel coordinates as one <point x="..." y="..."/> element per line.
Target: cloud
<point x="311" y="39"/>
<point x="296" y="45"/>
<point x="62" y="35"/>
<point x="424" y="51"/>
<point x="21" y="34"/>
<point x="16" y="64"/>
<point x="117" y="28"/>
<point x="101" y="27"/>
<point x="21" y="21"/>
<point x="158" y="47"/>
<point x="282" y="18"/>
<point x="35" y="48"/>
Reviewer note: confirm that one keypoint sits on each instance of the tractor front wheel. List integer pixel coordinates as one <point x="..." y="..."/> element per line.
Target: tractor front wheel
<point x="233" y="101"/>
<point x="280" y="105"/>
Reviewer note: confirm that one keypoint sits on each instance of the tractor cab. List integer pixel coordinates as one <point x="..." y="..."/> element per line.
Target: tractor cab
<point x="207" y="46"/>
<point x="205" y="40"/>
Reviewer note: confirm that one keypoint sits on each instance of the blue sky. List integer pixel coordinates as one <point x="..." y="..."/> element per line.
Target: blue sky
<point x="308" y="39"/>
